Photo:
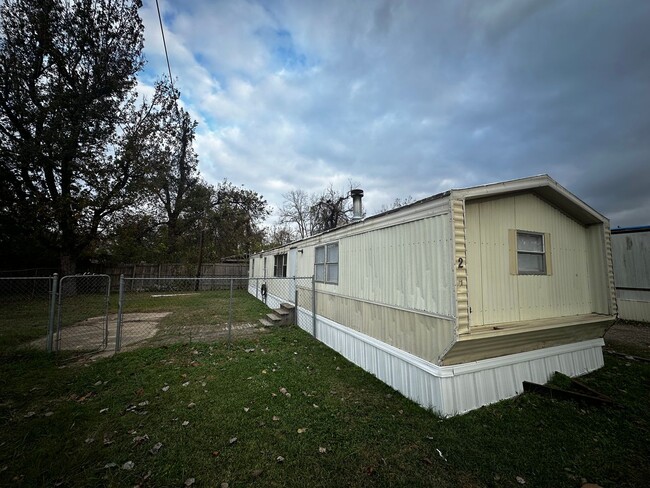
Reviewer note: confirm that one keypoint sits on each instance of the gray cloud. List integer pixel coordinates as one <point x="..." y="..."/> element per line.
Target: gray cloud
<point x="416" y="97"/>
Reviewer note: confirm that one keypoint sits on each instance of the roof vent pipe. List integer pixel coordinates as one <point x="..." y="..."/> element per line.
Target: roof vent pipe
<point x="357" y="209"/>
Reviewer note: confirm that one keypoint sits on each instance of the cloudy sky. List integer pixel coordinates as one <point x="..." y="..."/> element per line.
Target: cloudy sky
<point x="415" y="97"/>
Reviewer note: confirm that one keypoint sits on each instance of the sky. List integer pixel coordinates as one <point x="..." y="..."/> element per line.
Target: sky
<point x="411" y="98"/>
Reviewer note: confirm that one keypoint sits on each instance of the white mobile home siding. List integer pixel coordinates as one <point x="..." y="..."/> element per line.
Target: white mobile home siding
<point x="631" y="255"/>
<point x="395" y="280"/>
<point x="407" y="280"/>
<point x="497" y="296"/>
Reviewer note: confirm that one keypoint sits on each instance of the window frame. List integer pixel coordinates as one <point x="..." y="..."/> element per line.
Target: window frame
<point x="544" y="253"/>
<point x="280" y="265"/>
<point x="326" y="265"/>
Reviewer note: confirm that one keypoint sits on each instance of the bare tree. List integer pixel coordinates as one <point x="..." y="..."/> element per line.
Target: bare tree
<point x="296" y="210"/>
<point x="397" y="203"/>
<point x="316" y="212"/>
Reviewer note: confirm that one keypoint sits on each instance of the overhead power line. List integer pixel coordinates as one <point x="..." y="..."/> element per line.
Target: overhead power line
<point x="162" y="31"/>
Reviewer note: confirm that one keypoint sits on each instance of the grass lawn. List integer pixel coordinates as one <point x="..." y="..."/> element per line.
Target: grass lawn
<point x="192" y="313"/>
<point x="281" y="409"/>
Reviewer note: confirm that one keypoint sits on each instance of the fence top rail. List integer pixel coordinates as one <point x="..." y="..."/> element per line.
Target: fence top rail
<point x="211" y="278"/>
<point x="88" y="275"/>
<point x="4" y="278"/>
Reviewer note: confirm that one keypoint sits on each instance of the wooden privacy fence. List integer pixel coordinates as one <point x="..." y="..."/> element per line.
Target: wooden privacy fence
<point x="171" y="270"/>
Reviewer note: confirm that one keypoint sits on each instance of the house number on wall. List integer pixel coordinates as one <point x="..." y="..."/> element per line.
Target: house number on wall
<point x="460" y="263"/>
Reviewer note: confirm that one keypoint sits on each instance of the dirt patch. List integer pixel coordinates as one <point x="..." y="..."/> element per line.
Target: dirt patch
<point x="139" y="329"/>
<point x="629" y="337"/>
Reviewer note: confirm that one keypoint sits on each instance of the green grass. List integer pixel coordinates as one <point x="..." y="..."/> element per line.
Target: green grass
<point x="22" y="321"/>
<point x="372" y="436"/>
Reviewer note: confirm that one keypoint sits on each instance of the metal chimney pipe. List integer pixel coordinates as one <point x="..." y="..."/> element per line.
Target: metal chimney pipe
<point x="357" y="208"/>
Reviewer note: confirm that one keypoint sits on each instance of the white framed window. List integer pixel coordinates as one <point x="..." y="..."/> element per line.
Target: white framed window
<point x="280" y="266"/>
<point x="531" y="253"/>
<point x="326" y="263"/>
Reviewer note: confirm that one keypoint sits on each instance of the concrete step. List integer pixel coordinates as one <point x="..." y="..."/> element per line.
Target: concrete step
<point x="287" y="306"/>
<point x="273" y="317"/>
<point x="266" y="323"/>
<point x="282" y="312"/>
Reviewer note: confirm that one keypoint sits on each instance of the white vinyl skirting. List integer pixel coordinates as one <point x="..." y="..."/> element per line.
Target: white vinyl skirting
<point x="451" y="390"/>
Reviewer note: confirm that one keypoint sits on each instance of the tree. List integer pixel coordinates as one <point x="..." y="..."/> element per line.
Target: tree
<point x="296" y="210"/>
<point x="331" y="210"/>
<point x="278" y="235"/>
<point x="175" y="183"/>
<point x="316" y="212"/>
<point x="67" y="74"/>
<point x="234" y="221"/>
<point x="397" y="203"/>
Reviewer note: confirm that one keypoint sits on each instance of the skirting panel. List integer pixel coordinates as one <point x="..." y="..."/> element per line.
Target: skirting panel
<point x="634" y="310"/>
<point x="452" y="390"/>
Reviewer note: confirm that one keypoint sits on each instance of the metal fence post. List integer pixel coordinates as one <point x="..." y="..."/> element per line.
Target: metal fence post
<point x="295" y="300"/>
<point x="230" y="314"/>
<point x="50" y="328"/>
<point x="313" y="305"/>
<point x="120" y="311"/>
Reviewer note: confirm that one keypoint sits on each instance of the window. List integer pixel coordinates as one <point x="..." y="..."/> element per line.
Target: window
<point x="326" y="263"/>
<point x="531" y="253"/>
<point x="280" y="266"/>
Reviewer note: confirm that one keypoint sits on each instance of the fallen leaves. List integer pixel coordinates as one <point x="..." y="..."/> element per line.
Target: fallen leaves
<point x="189" y="481"/>
<point x="232" y="440"/>
<point x="139" y="439"/>
<point x="156" y="447"/>
<point x="128" y="466"/>
<point x="165" y="388"/>
<point x="322" y="450"/>
<point x="302" y="430"/>
<point x="280" y="459"/>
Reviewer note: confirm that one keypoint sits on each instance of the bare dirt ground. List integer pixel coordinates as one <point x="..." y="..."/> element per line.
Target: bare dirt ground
<point x="138" y="330"/>
<point x="630" y="338"/>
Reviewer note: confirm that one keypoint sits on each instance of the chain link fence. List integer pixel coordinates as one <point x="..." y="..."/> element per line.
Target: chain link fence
<point x="82" y="321"/>
<point x="165" y="310"/>
<point x="26" y="311"/>
<point x="75" y="312"/>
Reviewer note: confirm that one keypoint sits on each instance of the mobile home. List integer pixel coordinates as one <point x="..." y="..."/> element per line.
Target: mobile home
<point x="631" y="254"/>
<point x="456" y="299"/>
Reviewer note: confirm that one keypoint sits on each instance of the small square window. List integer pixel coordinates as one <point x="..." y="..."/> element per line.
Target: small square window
<point x="531" y="253"/>
<point x="326" y="263"/>
<point x="280" y="266"/>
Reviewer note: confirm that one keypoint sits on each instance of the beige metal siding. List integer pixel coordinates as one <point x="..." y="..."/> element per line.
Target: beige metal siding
<point x="496" y="295"/>
<point x="611" y="287"/>
<point x="460" y="265"/>
<point x="406" y="266"/>
<point x="396" y="283"/>
<point x="420" y="334"/>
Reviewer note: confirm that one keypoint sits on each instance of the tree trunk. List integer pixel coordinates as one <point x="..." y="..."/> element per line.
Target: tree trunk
<point x="68" y="264"/>
<point x="68" y="267"/>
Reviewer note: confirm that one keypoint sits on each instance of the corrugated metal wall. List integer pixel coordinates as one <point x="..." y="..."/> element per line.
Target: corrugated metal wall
<point x="407" y="266"/>
<point x="631" y="256"/>
<point x="395" y="284"/>
<point x="495" y="295"/>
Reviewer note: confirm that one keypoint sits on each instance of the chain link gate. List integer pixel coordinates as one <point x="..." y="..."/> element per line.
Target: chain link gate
<point x="82" y="321"/>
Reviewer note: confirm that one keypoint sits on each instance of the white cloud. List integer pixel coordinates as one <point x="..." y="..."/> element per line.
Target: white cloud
<point x="412" y="98"/>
